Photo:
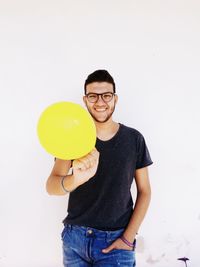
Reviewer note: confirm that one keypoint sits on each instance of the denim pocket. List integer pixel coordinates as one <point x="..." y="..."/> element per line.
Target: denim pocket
<point x="133" y="248"/>
<point x="115" y="235"/>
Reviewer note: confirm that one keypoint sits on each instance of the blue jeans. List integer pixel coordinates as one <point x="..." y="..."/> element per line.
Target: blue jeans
<point x="82" y="247"/>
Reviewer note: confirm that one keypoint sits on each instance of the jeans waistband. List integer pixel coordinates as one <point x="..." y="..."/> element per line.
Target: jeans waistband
<point x="93" y="231"/>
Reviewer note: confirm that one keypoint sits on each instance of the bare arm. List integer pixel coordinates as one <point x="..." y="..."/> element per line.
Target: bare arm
<point x="141" y="205"/>
<point x="60" y="169"/>
<point x="140" y="209"/>
<point x="83" y="169"/>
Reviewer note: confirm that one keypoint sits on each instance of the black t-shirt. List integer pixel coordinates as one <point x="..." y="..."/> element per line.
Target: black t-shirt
<point x="105" y="201"/>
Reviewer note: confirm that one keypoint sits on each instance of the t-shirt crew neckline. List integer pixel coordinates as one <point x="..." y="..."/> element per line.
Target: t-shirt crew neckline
<point x="112" y="138"/>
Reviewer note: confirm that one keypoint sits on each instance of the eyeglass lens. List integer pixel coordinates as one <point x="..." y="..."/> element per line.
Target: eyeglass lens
<point x="107" y="97"/>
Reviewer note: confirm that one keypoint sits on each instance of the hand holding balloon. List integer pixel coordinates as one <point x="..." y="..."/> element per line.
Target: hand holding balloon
<point x="85" y="168"/>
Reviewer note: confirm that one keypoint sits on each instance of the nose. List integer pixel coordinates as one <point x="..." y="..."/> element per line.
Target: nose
<point x="100" y="99"/>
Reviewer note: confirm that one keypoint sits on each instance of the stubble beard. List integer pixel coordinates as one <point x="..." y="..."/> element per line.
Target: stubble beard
<point x="106" y="119"/>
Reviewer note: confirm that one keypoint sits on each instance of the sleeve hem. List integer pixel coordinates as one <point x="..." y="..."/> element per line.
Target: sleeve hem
<point x="144" y="165"/>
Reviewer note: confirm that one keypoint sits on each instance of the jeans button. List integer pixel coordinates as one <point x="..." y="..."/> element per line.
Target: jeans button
<point x="90" y="231"/>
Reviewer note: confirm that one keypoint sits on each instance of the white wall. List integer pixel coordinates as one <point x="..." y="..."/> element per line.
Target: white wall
<point x="47" y="48"/>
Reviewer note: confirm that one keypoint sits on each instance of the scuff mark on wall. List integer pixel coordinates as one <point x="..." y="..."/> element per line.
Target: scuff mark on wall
<point x="2" y="258"/>
<point x="153" y="260"/>
<point x="150" y="260"/>
<point x="178" y="244"/>
<point x="140" y="244"/>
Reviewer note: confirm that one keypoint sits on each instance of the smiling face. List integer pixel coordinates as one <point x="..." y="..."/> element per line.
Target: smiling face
<point x="100" y="111"/>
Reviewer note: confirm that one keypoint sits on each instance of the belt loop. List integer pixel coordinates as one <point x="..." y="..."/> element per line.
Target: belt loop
<point x="107" y="236"/>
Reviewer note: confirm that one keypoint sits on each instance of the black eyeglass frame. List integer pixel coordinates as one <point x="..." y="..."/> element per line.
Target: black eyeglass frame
<point x="112" y="93"/>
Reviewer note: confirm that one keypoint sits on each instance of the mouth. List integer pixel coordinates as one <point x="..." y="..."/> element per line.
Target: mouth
<point x="100" y="109"/>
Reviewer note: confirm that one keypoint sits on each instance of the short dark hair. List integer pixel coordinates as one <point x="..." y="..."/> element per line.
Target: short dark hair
<point x="99" y="76"/>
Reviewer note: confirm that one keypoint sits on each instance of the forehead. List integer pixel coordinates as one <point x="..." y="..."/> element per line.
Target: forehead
<point x="99" y="87"/>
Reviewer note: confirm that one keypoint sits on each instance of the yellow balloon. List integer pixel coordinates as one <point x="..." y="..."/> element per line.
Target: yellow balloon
<point x="66" y="130"/>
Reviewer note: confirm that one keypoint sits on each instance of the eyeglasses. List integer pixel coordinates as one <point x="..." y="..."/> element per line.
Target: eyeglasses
<point x="106" y="97"/>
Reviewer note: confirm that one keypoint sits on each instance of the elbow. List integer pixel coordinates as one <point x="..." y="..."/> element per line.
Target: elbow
<point x="53" y="186"/>
<point x="146" y="194"/>
<point x="49" y="187"/>
<point x="149" y="196"/>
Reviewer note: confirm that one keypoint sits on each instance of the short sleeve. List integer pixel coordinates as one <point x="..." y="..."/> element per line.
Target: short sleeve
<point x="143" y="156"/>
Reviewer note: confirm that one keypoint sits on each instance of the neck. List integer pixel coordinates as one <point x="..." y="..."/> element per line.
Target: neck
<point x="106" y="129"/>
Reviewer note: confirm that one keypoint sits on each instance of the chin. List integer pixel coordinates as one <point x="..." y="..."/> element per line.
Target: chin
<point x="101" y="120"/>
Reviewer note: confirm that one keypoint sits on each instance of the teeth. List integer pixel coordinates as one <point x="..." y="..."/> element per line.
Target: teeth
<point x="100" y="109"/>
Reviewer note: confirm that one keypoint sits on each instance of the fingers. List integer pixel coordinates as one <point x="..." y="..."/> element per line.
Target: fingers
<point x="117" y="244"/>
<point x="82" y="164"/>
<point x="94" y="152"/>
<point x="108" y="249"/>
<point x="77" y="164"/>
<point x="87" y="161"/>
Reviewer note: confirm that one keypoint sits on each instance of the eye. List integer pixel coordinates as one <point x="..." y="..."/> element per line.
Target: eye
<point x="92" y="97"/>
<point x="107" y="96"/>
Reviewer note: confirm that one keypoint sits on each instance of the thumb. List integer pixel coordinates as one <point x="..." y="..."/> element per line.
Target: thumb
<point x="108" y="249"/>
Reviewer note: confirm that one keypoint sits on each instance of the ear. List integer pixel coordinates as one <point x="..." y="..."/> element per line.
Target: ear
<point x="84" y="99"/>
<point x="116" y="99"/>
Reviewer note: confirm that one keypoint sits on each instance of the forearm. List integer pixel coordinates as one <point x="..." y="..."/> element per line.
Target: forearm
<point x="140" y="209"/>
<point x="83" y="169"/>
<point x="54" y="185"/>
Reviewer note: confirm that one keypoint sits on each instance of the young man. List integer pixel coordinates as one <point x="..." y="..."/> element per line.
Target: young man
<point x="101" y="224"/>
